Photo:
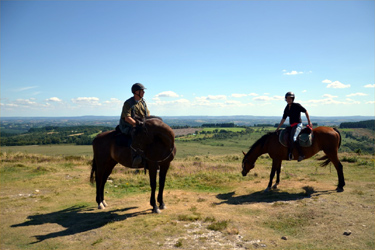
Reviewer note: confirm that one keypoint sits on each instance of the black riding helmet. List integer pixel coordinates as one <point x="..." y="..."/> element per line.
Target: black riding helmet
<point x="137" y="86"/>
<point x="291" y="94"/>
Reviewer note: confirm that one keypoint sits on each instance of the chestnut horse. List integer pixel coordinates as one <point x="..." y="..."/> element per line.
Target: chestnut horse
<point x="156" y="147"/>
<point x="325" y="138"/>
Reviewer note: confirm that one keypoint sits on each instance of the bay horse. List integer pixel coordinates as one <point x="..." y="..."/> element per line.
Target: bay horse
<point x="325" y="138"/>
<point x="157" y="149"/>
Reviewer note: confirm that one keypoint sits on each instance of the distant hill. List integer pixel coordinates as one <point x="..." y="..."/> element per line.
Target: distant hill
<point x="23" y="124"/>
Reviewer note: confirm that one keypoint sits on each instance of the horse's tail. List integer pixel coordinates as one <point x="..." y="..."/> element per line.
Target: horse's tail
<point x="339" y="135"/>
<point x="325" y="158"/>
<point x="93" y="170"/>
<point x="326" y="162"/>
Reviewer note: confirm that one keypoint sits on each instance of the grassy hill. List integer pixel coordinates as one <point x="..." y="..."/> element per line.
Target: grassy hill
<point x="47" y="202"/>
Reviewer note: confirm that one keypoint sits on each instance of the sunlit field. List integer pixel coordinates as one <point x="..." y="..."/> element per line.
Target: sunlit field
<point x="47" y="202"/>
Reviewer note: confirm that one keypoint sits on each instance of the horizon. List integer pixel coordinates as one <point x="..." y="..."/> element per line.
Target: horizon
<point x="196" y="58"/>
<point x="273" y="116"/>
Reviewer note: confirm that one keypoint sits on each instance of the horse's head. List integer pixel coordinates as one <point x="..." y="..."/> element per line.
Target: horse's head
<point x="255" y="151"/>
<point x="247" y="164"/>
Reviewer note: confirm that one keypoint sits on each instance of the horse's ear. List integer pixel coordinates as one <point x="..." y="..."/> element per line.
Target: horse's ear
<point x="243" y="153"/>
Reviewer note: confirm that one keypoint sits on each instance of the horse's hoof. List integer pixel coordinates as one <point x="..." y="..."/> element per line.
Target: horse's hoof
<point x="266" y="190"/>
<point x="274" y="187"/>
<point x="163" y="206"/>
<point x="105" y="203"/>
<point x="339" y="189"/>
<point x="156" y="211"/>
<point x="101" y="206"/>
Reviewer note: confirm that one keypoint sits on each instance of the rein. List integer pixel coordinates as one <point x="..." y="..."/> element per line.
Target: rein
<point x="142" y="153"/>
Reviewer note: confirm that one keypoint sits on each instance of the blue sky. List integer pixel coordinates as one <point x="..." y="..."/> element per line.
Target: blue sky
<point x="75" y="58"/>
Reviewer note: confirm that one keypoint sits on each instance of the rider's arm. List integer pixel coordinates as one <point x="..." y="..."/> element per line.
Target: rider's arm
<point x="281" y="123"/>
<point x="308" y="118"/>
<point x="130" y="120"/>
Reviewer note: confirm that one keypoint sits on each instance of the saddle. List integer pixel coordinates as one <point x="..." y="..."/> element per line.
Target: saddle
<point x="305" y="137"/>
<point x="122" y="140"/>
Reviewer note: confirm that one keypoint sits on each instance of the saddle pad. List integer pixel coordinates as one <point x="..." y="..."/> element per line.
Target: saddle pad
<point x="283" y="137"/>
<point x="305" y="140"/>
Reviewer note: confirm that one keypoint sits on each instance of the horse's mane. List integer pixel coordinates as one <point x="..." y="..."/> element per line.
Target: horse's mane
<point x="260" y="141"/>
<point x="154" y="117"/>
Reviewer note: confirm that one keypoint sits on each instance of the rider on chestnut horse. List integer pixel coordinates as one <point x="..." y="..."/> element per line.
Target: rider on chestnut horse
<point x="293" y="110"/>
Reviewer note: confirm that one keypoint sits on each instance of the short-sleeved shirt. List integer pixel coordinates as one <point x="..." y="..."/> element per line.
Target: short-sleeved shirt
<point x="132" y="108"/>
<point x="294" y="113"/>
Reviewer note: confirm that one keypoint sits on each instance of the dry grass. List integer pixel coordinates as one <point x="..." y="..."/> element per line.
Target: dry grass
<point x="48" y="203"/>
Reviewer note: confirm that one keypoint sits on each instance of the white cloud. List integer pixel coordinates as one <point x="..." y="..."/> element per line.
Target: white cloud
<point x="53" y="99"/>
<point x="112" y="101"/>
<point x="370" y="102"/>
<point x="279" y="98"/>
<point x="253" y="94"/>
<point x="211" y="97"/>
<point x="304" y="91"/>
<point x="25" y="102"/>
<point x="370" y="86"/>
<point x="26" y="88"/>
<point x="268" y="98"/>
<point x="236" y="103"/>
<point x="330" y="96"/>
<point x="352" y="101"/>
<point x="329" y="100"/>
<point x="175" y="102"/>
<point x="337" y="85"/>
<point x="92" y="101"/>
<point x="293" y="72"/>
<point x="167" y="94"/>
<point x="262" y="98"/>
<point x="326" y="81"/>
<point x="239" y="95"/>
<point x="216" y="97"/>
<point x="356" y="94"/>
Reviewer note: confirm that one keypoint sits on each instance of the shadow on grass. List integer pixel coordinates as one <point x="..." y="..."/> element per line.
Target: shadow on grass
<point x="77" y="219"/>
<point x="268" y="197"/>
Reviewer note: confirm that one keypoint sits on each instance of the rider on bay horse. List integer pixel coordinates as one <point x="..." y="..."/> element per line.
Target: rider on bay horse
<point x="134" y="106"/>
<point x="293" y="110"/>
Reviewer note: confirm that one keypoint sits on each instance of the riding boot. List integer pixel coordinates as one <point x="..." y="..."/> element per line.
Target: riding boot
<point x="290" y="152"/>
<point x="301" y="156"/>
<point x="137" y="159"/>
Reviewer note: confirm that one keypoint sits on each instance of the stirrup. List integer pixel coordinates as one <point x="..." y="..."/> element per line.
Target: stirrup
<point x="137" y="161"/>
<point x="290" y="156"/>
<point x="300" y="158"/>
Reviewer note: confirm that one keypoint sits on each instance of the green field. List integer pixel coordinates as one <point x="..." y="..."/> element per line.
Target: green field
<point x="235" y="129"/>
<point x="47" y="202"/>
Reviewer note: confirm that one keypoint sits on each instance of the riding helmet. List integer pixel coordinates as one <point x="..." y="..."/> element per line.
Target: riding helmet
<point x="137" y="86"/>
<point x="291" y="94"/>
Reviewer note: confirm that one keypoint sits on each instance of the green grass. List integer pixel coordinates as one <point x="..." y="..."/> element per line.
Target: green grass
<point x="51" y="150"/>
<point x="47" y="202"/>
<point x="226" y="129"/>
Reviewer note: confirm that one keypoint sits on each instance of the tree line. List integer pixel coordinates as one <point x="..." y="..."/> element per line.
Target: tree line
<point x="370" y="124"/>
<point x="219" y="125"/>
<point x="79" y="135"/>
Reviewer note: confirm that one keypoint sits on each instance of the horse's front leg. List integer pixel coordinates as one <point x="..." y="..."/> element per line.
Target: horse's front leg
<point x="275" y="168"/>
<point x="272" y="174"/>
<point x="276" y="164"/>
<point x="153" y="174"/>
<point x="162" y="176"/>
